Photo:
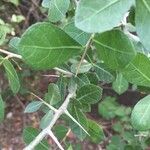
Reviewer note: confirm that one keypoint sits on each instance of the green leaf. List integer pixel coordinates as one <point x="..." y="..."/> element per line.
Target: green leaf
<point x="45" y="121"/>
<point x="53" y="96"/>
<point x="82" y="80"/>
<point x="80" y="36"/>
<point x="70" y="148"/>
<point x="33" y="106"/>
<point x="49" y="49"/>
<point x="137" y="72"/>
<point x="2" y="34"/>
<point x="93" y="78"/>
<point x="58" y="9"/>
<point x="1" y="60"/>
<point x="107" y="108"/>
<point x="60" y="131"/>
<point x="29" y="135"/>
<point x="99" y="15"/>
<point x="62" y="84"/>
<point x="116" y="143"/>
<point x="103" y="73"/>
<point x="117" y="127"/>
<point x="142" y="20"/>
<point x="85" y="67"/>
<point x="140" y="115"/>
<point x="89" y="94"/>
<point x="95" y="131"/>
<point x="115" y="49"/>
<point x="13" y="43"/>
<point x="83" y="106"/>
<point x="2" y="109"/>
<point x="46" y="3"/>
<point x="12" y="76"/>
<point x="81" y="118"/>
<point x="120" y="85"/>
<point x="15" y="2"/>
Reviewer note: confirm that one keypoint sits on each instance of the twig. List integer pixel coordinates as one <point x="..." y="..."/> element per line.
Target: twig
<point x="74" y="120"/>
<point x="84" y="54"/>
<point x="70" y="74"/>
<point x="46" y="131"/>
<point x="10" y="54"/>
<point x="20" y="102"/>
<point x="62" y="110"/>
<point x="55" y="139"/>
<point x="51" y="107"/>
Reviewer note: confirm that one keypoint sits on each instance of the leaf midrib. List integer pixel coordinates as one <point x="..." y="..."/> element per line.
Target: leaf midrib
<point x="113" y="49"/>
<point x="145" y="112"/>
<point x="145" y="76"/>
<point x="53" y="48"/>
<point x="91" y="93"/>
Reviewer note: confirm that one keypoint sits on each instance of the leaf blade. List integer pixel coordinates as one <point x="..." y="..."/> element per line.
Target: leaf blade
<point x="12" y="76"/>
<point x="109" y="13"/>
<point x="140" y="115"/>
<point x="142" y="20"/>
<point x="2" y="109"/>
<point x="137" y="72"/>
<point x="52" y="48"/>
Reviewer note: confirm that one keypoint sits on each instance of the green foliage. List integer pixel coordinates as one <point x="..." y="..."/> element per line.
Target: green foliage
<point x="58" y="9"/>
<point x="85" y="67"/>
<point x="142" y="21"/>
<point x="137" y="72"/>
<point x="60" y="131"/>
<point x="52" y="48"/>
<point x="12" y="76"/>
<point x="107" y="108"/>
<point x="46" y="3"/>
<point x="2" y="109"/>
<point x="13" y="44"/>
<point x="89" y="94"/>
<point x="92" y="16"/>
<point x="115" y="49"/>
<point x="15" y="2"/>
<point x="33" y="107"/>
<point x="96" y="44"/>
<point x="29" y="134"/>
<point x="46" y="119"/>
<point x="53" y="96"/>
<point x="140" y="115"/>
<point x="81" y="118"/>
<point x="120" y="85"/>
<point x="75" y="33"/>
<point x="103" y="73"/>
<point x="96" y="132"/>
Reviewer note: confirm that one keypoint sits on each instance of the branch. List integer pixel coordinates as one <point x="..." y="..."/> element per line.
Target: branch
<point x="69" y="74"/>
<point x="47" y="130"/>
<point x="55" y="139"/>
<point x="84" y="54"/>
<point x="10" y="54"/>
<point x="48" y="105"/>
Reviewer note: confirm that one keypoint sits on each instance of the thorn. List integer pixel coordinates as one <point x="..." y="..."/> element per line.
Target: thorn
<point x="73" y="119"/>
<point x="55" y="139"/>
